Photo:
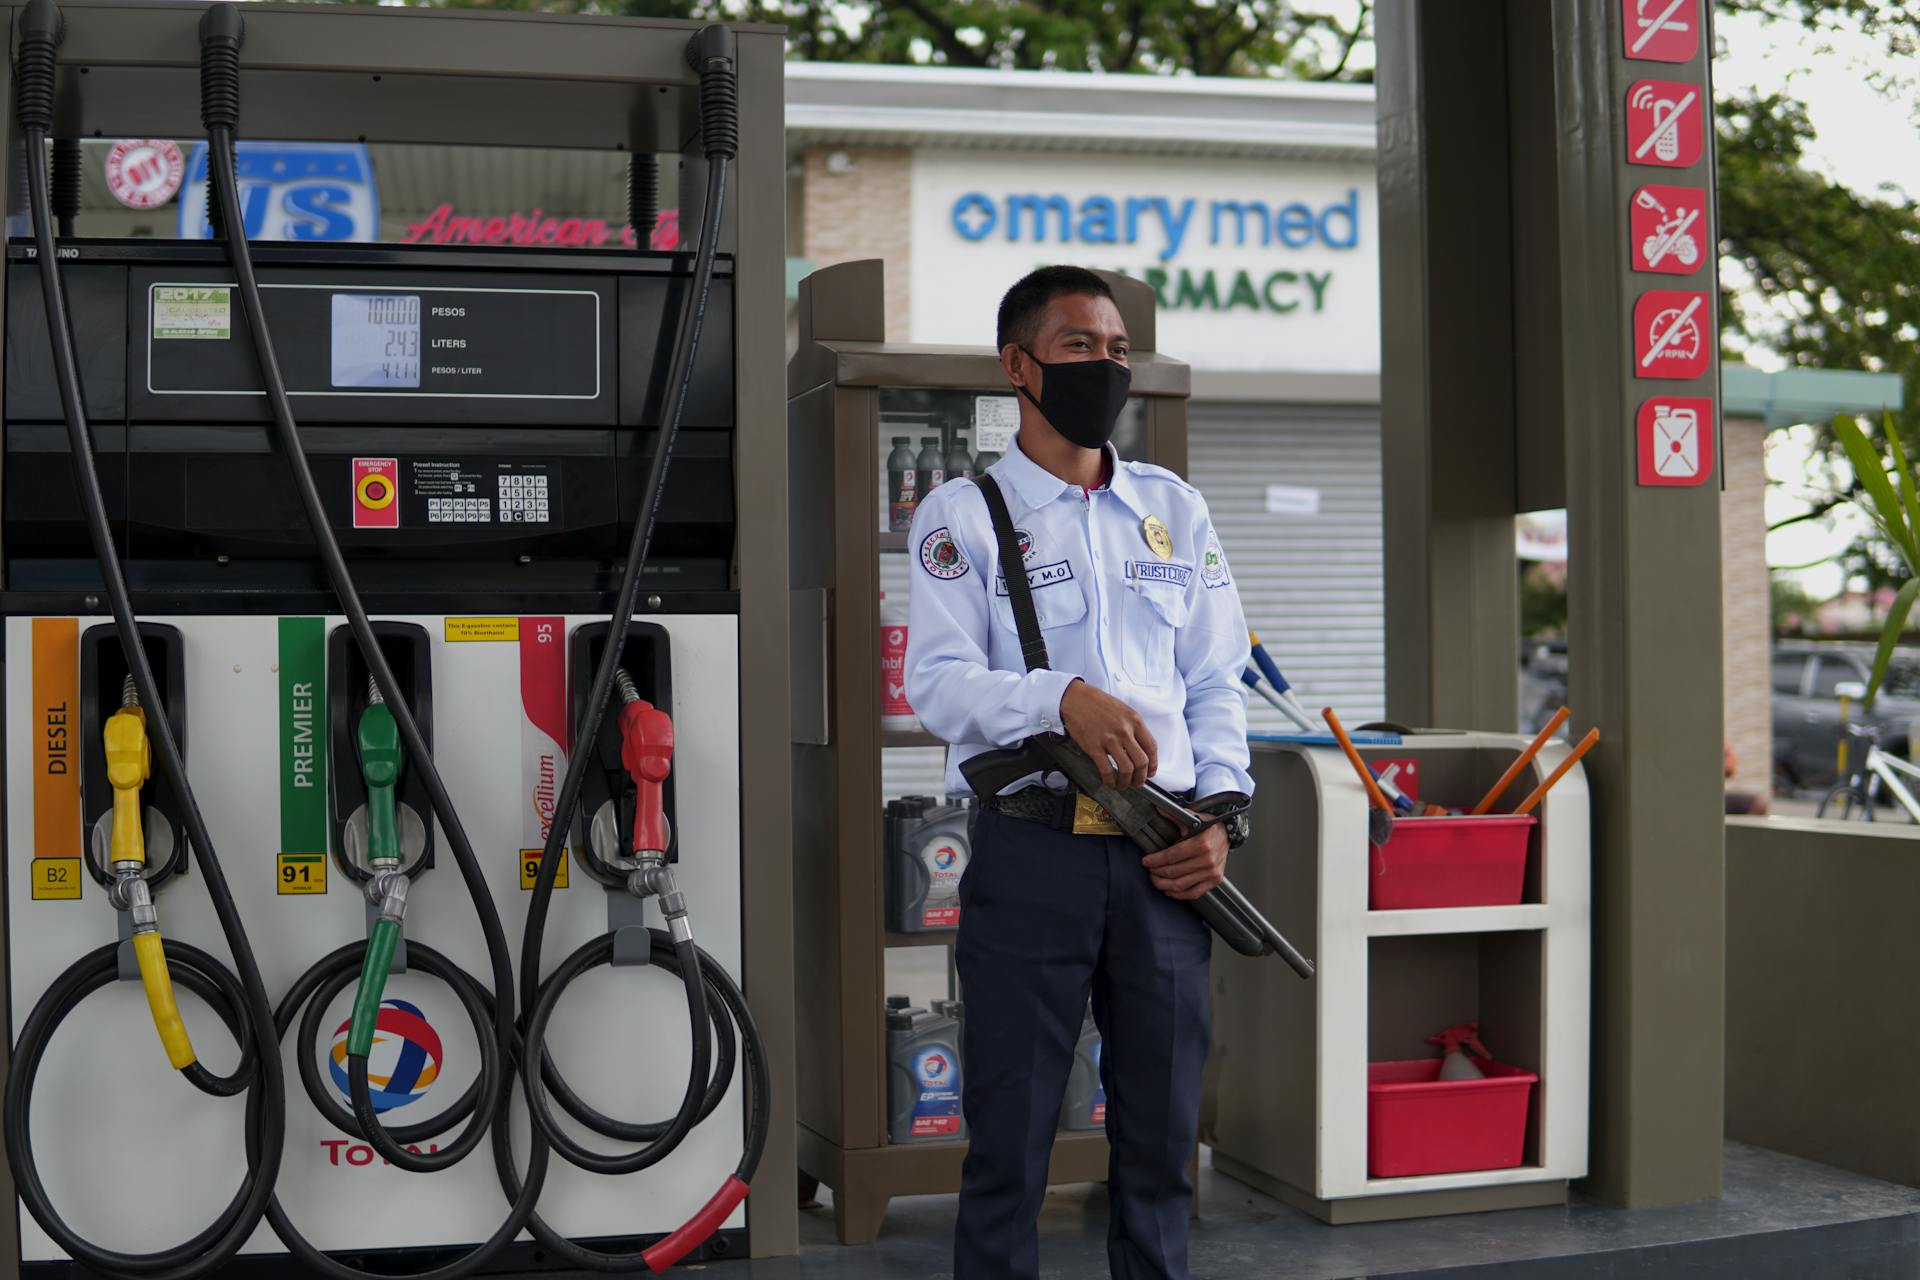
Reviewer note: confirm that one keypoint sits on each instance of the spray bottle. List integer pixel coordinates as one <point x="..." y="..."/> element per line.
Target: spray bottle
<point x="902" y="493"/>
<point x="1457" y="1065"/>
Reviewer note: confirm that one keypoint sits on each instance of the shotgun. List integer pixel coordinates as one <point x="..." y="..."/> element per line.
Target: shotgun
<point x="1152" y="817"/>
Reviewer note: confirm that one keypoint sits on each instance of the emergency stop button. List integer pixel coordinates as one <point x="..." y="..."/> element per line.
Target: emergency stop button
<point x="376" y="492"/>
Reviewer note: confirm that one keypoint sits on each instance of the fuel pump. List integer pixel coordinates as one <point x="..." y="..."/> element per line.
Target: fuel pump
<point x="389" y="797"/>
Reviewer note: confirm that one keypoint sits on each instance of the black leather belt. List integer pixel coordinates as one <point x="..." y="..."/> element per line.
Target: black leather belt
<point x="1036" y="804"/>
<point x="1059" y="810"/>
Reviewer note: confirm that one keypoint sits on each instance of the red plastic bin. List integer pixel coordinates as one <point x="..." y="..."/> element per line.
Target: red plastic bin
<point x="1463" y="861"/>
<point x="1418" y="1123"/>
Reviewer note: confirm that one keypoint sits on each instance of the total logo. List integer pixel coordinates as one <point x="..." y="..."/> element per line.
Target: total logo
<point x="405" y="1061"/>
<point x="944" y="857"/>
<point x="933" y="1070"/>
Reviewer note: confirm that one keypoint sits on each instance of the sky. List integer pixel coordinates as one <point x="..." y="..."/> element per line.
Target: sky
<point x="1865" y="138"/>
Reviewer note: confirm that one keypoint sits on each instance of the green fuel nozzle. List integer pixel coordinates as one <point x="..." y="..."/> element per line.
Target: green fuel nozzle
<point x="381" y="760"/>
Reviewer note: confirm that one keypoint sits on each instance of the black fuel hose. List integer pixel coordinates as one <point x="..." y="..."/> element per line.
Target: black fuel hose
<point x="313" y="990"/>
<point x="221" y="34"/>
<point x="712" y="54"/>
<point x="240" y="1001"/>
<point x="728" y="996"/>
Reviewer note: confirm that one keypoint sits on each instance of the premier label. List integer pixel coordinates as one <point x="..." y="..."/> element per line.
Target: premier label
<point x="302" y="865"/>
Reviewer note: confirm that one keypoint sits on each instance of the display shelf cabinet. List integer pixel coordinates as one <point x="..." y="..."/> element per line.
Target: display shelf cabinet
<point x="849" y="394"/>
<point x="1287" y="1085"/>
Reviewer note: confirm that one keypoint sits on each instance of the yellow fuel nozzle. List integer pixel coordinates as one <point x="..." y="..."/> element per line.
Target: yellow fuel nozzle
<point x="129" y="765"/>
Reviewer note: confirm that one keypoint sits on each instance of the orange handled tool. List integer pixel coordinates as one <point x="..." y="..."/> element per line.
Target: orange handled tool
<point x="1359" y="765"/>
<point x="1573" y="758"/>
<point x="1525" y="759"/>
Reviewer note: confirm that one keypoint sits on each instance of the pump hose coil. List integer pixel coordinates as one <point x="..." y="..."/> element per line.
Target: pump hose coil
<point x="711" y="53"/>
<point x="238" y="999"/>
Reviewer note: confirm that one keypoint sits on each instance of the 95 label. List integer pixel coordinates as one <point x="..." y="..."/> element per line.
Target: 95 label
<point x="530" y="869"/>
<point x="56" y="878"/>
<point x="302" y="873"/>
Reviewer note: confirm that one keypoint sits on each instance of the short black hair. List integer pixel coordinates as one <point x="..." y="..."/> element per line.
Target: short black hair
<point x="1024" y="308"/>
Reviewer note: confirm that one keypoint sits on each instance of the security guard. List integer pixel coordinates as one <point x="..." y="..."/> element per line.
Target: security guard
<point x="1146" y="642"/>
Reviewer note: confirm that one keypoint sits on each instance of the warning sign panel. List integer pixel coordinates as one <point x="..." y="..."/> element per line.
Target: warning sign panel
<point x="1664" y="123"/>
<point x="1669" y="229"/>
<point x="1676" y="441"/>
<point x="1671" y="334"/>
<point x="1661" y="30"/>
<point x="376" y="493"/>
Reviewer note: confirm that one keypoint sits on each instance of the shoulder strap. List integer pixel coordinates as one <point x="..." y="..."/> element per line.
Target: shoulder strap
<point x="1013" y="571"/>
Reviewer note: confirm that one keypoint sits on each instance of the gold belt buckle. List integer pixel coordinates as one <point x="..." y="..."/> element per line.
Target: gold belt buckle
<point x="1089" y="819"/>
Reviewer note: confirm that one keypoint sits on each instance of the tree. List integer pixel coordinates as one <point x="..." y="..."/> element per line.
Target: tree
<point x="1221" y="38"/>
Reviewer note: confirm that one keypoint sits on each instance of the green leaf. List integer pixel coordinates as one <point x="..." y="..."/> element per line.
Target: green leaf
<point x="1872" y="475"/>
<point x="1890" y="636"/>
<point x="1908" y="495"/>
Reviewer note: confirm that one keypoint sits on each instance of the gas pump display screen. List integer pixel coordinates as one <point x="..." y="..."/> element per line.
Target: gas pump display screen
<point x="376" y="340"/>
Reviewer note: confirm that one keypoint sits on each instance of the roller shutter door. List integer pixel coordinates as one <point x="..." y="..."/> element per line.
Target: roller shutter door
<point x="1312" y="585"/>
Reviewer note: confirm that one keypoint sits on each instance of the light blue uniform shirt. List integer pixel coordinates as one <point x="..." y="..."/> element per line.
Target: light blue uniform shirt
<point x="1167" y="637"/>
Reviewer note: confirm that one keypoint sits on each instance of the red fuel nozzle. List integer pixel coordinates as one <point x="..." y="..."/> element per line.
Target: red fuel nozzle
<point x="646" y="750"/>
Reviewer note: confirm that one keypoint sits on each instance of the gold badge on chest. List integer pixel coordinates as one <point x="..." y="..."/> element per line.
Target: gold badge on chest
<point x="1157" y="537"/>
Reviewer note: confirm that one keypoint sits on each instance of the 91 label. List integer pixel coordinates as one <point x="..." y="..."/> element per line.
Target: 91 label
<point x="530" y="869"/>
<point x="302" y="873"/>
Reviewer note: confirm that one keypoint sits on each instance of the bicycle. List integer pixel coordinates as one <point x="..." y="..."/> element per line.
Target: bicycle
<point x="1880" y="772"/>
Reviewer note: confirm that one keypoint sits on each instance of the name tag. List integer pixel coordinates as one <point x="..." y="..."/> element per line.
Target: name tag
<point x="1154" y="571"/>
<point x="1044" y="575"/>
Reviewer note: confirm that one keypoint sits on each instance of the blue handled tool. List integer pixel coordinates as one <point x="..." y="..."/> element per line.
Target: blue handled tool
<point x="1278" y="693"/>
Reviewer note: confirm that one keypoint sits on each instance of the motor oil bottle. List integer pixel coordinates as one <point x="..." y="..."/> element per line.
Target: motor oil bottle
<point x="923" y="1077"/>
<point x="927" y="851"/>
<point x="959" y="461"/>
<point x="901" y="481"/>
<point x="896" y="713"/>
<point x="931" y="466"/>
<point x="1085" y="1103"/>
<point x="986" y="459"/>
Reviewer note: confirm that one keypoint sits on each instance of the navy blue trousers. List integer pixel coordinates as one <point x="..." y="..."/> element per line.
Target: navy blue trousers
<point x="1047" y="919"/>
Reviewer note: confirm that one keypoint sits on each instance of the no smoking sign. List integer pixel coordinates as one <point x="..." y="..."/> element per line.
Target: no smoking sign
<point x="1661" y="30"/>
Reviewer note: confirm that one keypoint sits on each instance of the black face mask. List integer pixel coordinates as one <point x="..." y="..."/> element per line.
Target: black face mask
<point x="1081" y="399"/>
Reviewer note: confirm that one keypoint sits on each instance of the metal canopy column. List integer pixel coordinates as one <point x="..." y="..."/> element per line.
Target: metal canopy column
<point x="1510" y="383"/>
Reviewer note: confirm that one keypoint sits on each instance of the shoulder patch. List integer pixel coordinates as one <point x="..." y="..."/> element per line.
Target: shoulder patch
<point x="940" y="555"/>
<point x="1213" y="563"/>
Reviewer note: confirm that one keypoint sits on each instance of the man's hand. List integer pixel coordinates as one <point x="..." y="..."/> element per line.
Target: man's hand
<point x="1186" y="870"/>
<point x="1112" y="733"/>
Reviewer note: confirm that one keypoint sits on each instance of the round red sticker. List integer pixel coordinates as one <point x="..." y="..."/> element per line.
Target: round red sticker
<point x="144" y="173"/>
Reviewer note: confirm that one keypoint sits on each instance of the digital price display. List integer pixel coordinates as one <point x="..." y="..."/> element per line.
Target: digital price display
<point x="376" y="340"/>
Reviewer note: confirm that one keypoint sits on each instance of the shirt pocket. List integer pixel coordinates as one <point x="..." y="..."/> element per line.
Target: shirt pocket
<point x="1150" y="612"/>
<point x="1057" y="604"/>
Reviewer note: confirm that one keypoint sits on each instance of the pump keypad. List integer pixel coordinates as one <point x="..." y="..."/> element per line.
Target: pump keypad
<point x="523" y="499"/>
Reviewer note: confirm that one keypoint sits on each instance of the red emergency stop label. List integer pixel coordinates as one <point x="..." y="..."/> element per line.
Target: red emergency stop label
<point x="376" y="493"/>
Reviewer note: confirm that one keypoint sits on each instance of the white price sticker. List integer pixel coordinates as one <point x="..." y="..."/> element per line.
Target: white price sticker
<point x="995" y="419"/>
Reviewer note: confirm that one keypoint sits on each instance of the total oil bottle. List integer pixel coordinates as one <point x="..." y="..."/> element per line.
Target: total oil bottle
<point x="923" y="1073"/>
<point x="927" y="851"/>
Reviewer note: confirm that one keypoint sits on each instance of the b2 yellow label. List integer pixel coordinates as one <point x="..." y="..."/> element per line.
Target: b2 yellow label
<point x="481" y="630"/>
<point x="56" y="878"/>
<point x="530" y="869"/>
<point x="302" y="873"/>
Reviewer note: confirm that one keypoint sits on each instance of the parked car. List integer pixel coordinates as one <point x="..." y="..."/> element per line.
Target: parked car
<point x="1808" y="678"/>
